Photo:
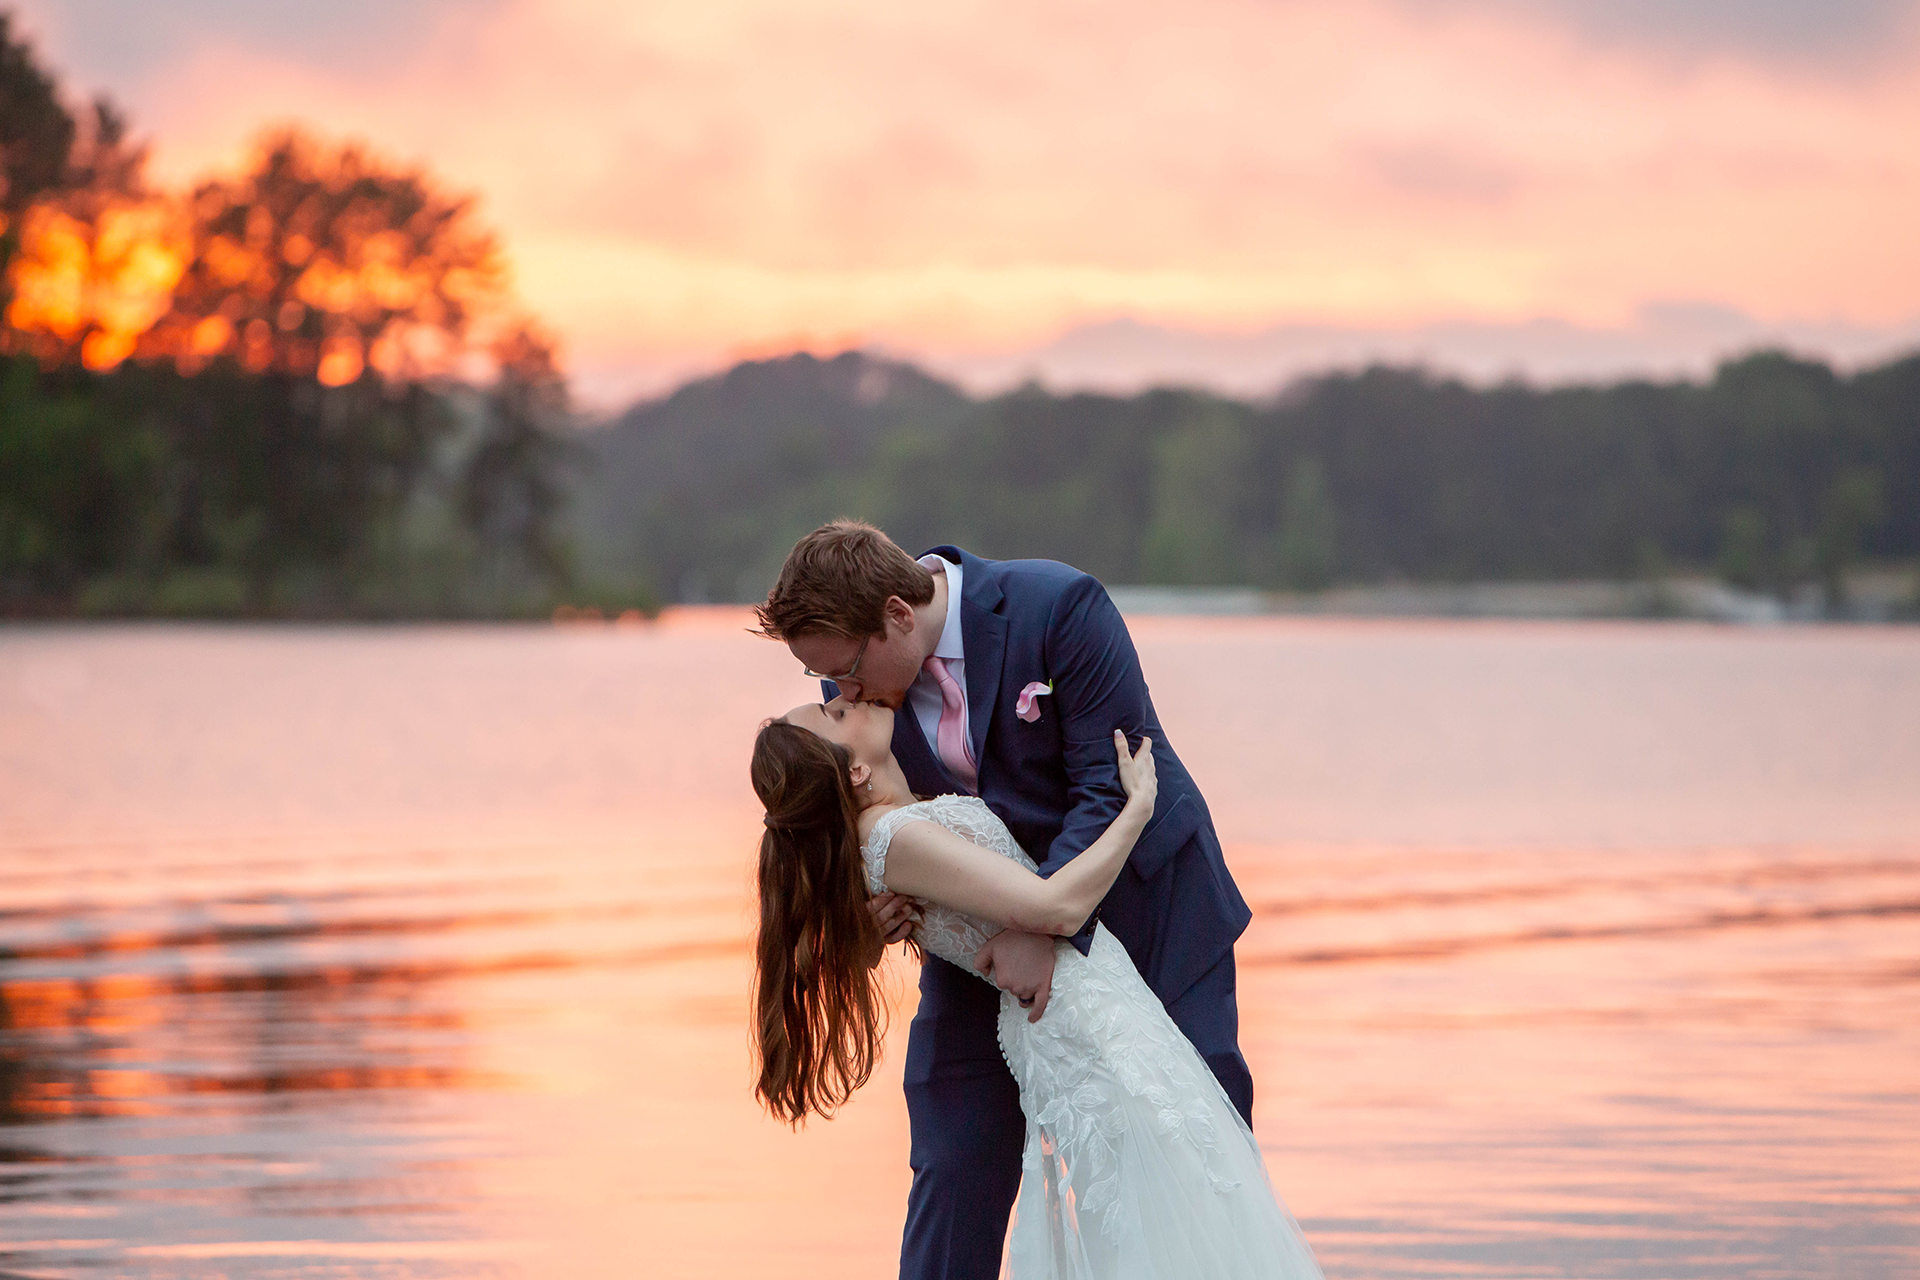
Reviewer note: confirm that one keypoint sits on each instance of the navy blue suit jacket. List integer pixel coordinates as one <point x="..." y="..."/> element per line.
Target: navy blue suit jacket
<point x="1054" y="780"/>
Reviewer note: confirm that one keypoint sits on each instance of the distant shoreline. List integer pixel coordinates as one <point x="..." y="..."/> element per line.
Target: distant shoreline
<point x="1875" y="597"/>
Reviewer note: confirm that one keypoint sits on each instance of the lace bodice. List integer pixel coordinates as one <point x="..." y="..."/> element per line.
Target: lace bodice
<point x="942" y="931"/>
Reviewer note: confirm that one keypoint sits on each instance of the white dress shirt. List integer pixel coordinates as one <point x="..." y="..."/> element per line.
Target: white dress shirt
<point x="923" y="695"/>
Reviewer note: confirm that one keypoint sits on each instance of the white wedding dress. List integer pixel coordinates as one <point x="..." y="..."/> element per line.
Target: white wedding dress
<point x="1137" y="1167"/>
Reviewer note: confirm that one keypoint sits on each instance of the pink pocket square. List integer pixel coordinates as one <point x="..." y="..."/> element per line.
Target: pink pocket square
<point x="1027" y="709"/>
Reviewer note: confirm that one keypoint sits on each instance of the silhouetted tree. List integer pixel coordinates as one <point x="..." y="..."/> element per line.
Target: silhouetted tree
<point x="84" y="261"/>
<point x="321" y="261"/>
<point x="97" y="256"/>
<point x="36" y="131"/>
<point x="510" y="492"/>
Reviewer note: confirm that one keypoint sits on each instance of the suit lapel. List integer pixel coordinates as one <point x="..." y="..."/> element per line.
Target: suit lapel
<point x="983" y="633"/>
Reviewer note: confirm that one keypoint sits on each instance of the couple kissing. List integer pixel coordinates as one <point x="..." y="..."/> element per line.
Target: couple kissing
<point x="986" y="780"/>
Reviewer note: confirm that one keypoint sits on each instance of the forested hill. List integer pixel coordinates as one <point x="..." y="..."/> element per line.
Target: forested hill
<point x="1776" y="473"/>
<point x="701" y="493"/>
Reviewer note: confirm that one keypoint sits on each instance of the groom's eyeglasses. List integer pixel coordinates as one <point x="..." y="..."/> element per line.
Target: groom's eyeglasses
<point x="849" y="673"/>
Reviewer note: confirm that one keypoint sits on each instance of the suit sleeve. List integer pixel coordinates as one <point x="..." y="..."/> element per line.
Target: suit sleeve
<point x="1097" y="687"/>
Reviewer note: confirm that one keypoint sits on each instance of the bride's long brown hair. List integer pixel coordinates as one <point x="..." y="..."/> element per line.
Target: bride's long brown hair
<point x="819" y="1012"/>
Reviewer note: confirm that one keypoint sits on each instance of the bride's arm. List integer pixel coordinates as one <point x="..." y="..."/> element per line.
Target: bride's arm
<point x="925" y="860"/>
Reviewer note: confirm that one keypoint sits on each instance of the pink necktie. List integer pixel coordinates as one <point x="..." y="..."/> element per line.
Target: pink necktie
<point x="956" y="752"/>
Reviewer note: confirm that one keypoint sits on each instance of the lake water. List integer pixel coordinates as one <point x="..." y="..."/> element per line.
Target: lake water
<point x="1579" y="950"/>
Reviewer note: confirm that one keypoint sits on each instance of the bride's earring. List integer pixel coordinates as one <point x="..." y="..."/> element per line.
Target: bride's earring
<point x="869" y="784"/>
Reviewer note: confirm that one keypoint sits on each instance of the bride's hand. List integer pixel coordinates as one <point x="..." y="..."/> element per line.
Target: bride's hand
<point x="1136" y="769"/>
<point x="895" y="915"/>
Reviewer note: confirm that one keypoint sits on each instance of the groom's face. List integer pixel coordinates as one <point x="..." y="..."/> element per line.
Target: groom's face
<point x="878" y="669"/>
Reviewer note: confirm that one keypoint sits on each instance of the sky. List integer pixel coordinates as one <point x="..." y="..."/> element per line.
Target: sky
<point x="1229" y="192"/>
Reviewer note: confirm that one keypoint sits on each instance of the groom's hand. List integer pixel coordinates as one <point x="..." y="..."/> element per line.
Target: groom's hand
<point x="1021" y="963"/>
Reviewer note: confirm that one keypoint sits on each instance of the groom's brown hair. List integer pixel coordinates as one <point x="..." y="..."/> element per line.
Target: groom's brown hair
<point x="837" y="580"/>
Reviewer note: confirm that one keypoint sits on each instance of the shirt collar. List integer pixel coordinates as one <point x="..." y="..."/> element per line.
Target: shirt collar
<point x="950" y="646"/>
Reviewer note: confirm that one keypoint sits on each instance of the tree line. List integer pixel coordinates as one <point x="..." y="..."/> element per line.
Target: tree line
<point x="1778" y="474"/>
<point x="258" y="396"/>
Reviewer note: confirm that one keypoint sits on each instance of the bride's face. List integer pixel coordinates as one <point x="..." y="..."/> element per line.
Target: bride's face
<point x="865" y="729"/>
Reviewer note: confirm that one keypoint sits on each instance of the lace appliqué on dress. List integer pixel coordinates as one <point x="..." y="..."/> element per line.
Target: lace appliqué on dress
<point x="942" y="931"/>
<point x="1104" y="1069"/>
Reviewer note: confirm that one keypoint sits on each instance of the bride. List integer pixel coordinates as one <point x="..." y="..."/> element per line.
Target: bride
<point x="1136" y="1164"/>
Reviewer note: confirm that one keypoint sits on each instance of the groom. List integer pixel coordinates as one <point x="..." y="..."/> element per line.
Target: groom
<point x="1010" y="677"/>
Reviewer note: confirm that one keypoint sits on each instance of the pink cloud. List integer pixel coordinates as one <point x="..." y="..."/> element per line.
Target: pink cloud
<point x="675" y="181"/>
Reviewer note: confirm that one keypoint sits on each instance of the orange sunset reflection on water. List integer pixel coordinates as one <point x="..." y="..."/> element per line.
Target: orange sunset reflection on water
<point x="1578" y="950"/>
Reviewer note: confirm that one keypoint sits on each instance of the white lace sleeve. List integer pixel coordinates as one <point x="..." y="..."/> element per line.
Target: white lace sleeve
<point x="880" y="839"/>
<point x="944" y="932"/>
